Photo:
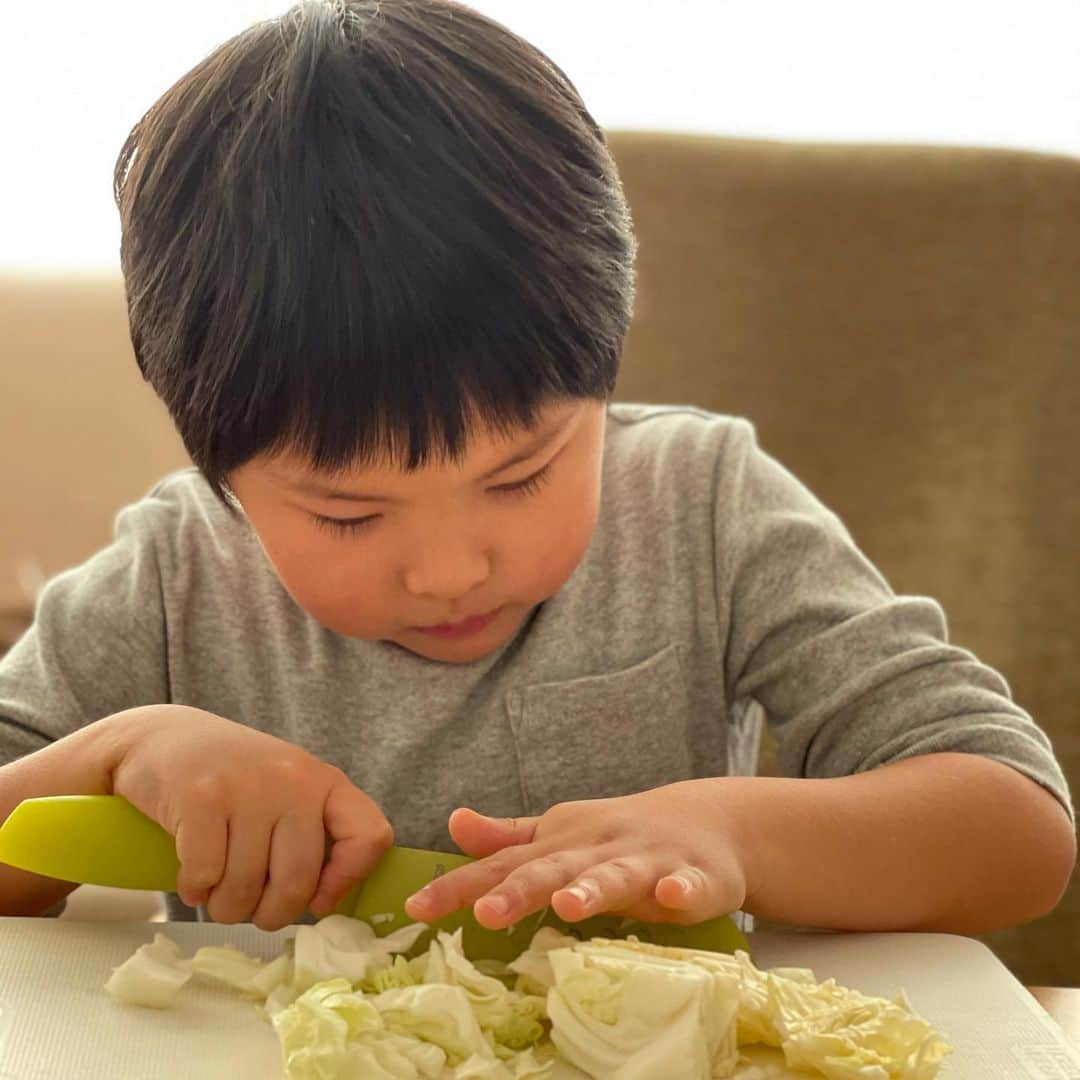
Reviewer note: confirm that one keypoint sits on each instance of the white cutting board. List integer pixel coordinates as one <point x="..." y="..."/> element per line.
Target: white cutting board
<point x="57" y="1023"/>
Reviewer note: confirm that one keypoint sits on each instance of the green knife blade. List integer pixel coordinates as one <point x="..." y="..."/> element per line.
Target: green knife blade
<point x="104" y="840"/>
<point x="90" y="839"/>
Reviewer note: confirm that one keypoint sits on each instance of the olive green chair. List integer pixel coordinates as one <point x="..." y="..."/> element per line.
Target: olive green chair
<point x="902" y="324"/>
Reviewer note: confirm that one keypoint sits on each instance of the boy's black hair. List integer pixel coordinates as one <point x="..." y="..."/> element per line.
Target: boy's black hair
<point x="364" y="228"/>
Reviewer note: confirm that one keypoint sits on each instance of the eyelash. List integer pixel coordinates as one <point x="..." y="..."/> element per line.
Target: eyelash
<point x="349" y="526"/>
<point x="529" y="486"/>
<point x="343" y="526"/>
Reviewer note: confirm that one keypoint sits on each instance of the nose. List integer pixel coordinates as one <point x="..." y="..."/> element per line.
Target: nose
<point x="446" y="570"/>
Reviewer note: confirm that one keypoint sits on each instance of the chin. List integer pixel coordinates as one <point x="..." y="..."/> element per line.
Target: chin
<point x="449" y="652"/>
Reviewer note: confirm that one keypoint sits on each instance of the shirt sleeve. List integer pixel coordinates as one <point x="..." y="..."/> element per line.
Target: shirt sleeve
<point x="850" y="675"/>
<point x="97" y="645"/>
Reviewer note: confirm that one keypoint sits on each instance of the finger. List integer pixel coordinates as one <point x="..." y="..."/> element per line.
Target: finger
<point x="201" y="843"/>
<point x="464" y="886"/>
<point x="531" y="888"/>
<point x="359" y="836"/>
<point x="615" y="885"/>
<point x="237" y="895"/>
<point x="296" y="858"/>
<point x="707" y="897"/>
<point x="479" y="835"/>
<point x="682" y="890"/>
<point x="692" y="894"/>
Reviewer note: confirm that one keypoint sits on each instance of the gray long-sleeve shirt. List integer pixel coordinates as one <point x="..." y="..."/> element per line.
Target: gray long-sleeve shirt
<point x="714" y="580"/>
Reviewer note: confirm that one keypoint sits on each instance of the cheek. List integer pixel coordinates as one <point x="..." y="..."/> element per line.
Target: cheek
<point x="331" y="581"/>
<point x="551" y="545"/>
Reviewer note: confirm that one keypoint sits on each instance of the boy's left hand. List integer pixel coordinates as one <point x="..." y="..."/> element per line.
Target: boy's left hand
<point x="664" y="855"/>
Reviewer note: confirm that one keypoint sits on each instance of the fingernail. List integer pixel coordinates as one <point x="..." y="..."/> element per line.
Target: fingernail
<point x="584" y="891"/>
<point x="419" y="901"/>
<point x="497" y="904"/>
<point x="685" y="886"/>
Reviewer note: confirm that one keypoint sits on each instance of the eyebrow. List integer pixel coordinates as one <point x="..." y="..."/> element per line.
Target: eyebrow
<point x="325" y="491"/>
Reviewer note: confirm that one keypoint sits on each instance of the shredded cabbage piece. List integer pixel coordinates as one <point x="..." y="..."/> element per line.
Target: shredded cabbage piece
<point x="152" y="976"/>
<point x="618" y="1013"/>
<point x="345" y="1003"/>
<point x="229" y="965"/>
<point x="847" y="1036"/>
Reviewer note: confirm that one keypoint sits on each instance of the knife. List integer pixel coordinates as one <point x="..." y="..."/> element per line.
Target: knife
<point x="104" y="840"/>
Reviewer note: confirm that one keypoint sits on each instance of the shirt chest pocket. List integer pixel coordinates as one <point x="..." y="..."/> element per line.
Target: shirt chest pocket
<point x="603" y="735"/>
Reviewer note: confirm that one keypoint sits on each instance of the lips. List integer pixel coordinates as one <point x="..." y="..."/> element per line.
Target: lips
<point x="473" y="624"/>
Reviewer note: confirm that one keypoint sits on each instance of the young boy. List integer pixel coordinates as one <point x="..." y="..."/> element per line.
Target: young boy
<point x="379" y="268"/>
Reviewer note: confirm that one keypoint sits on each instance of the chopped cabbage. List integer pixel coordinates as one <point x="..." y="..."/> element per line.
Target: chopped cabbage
<point x="153" y="975"/>
<point x="605" y="1021"/>
<point x="848" y="1036"/>
<point x="344" y="1004"/>
<point x="437" y="1014"/>
<point x="618" y="1013"/>
<point x="513" y="1020"/>
<point x="332" y="1031"/>
<point x="400" y="974"/>
<point x="533" y="965"/>
<point x="229" y="965"/>
<point x="340" y="946"/>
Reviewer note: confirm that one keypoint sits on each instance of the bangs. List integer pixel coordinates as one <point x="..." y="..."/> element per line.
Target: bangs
<point x="363" y="230"/>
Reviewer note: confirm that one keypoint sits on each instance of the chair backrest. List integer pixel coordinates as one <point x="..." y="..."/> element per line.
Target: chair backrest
<point x="903" y="326"/>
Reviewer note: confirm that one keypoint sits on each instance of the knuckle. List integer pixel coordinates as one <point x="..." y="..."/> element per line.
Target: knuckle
<point x="534" y="878"/>
<point x="382" y="836"/>
<point x="568" y="812"/>
<point x="451" y="889"/>
<point x="200" y="875"/>
<point x="335" y="774"/>
<point x="554" y="864"/>
<point x="461" y="889"/>
<point x="238" y="898"/>
<point x="290" y="771"/>
<point x="621" y="871"/>
<point x="295" y="892"/>
<point x="207" y="791"/>
<point x="502" y="862"/>
<point x="516" y="891"/>
<point x="202" y="863"/>
<point x="225" y="911"/>
<point x="271" y="923"/>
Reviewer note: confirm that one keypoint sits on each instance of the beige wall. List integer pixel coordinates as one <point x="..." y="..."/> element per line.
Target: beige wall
<point x="81" y="434"/>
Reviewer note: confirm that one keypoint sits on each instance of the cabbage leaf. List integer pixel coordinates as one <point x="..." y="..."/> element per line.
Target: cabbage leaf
<point x="152" y="976"/>
<point x="345" y="1003"/>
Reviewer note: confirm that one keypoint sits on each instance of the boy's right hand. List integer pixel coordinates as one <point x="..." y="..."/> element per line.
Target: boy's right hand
<point x="264" y="830"/>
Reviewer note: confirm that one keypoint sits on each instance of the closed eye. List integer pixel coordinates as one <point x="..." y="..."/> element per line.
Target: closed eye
<point x="349" y="526"/>
<point x="529" y="486"/>
<point x="343" y="526"/>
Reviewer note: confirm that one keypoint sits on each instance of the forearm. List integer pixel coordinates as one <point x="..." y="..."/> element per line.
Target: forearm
<point x="79" y="764"/>
<point x="944" y="842"/>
